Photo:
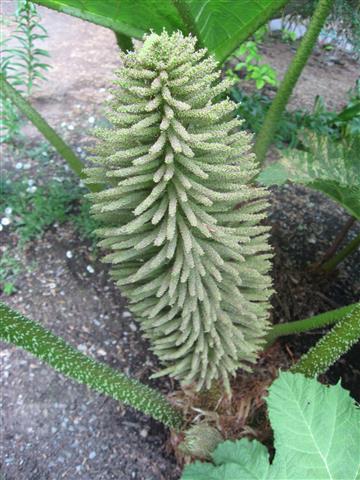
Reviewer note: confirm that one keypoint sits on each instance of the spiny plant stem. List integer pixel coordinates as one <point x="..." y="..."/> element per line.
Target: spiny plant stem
<point x="272" y="119"/>
<point x="53" y="350"/>
<point x="338" y="240"/>
<point x="334" y="261"/>
<point x="311" y="323"/>
<point x="330" y="347"/>
<point x="40" y="123"/>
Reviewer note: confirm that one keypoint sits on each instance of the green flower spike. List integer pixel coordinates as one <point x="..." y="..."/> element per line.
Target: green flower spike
<point x="194" y="267"/>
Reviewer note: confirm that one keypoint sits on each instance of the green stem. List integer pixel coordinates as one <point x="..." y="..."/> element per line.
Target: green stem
<point x="53" y="350"/>
<point x="331" y="346"/>
<point x="124" y="42"/>
<point x="311" y="323"/>
<point x="334" y="261"/>
<point x="337" y="242"/>
<point x="185" y="13"/>
<point x="272" y="119"/>
<point x="40" y="123"/>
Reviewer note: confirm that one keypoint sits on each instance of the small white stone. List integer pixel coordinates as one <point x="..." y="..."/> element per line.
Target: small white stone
<point x="5" y="221"/>
<point x="8" y="211"/>
<point x="91" y="120"/>
<point x="69" y="254"/>
<point x="101" y="352"/>
<point x="27" y="166"/>
<point x="90" y="269"/>
<point x="126" y="314"/>
<point x="144" y="433"/>
<point x="79" y="149"/>
<point x="31" y="183"/>
<point x="82" y="347"/>
<point x="31" y="189"/>
<point x="19" y="166"/>
<point x="1" y="228"/>
<point x="70" y="127"/>
<point x="133" y="327"/>
<point x="92" y="455"/>
<point x="63" y="124"/>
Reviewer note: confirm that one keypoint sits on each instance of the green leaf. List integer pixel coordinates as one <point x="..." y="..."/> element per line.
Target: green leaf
<point x="348" y="113"/>
<point x="274" y="174"/>
<point x="244" y="453"/>
<point x="317" y="436"/>
<point x="222" y="24"/>
<point x="260" y="83"/>
<point x="317" y="428"/>
<point x="329" y="167"/>
<point x="123" y="16"/>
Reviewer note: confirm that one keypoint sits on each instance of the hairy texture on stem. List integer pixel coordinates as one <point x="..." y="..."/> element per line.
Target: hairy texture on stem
<point x="347" y="250"/>
<point x="40" y="123"/>
<point x="311" y="323"/>
<point x="194" y="268"/>
<point x="269" y="128"/>
<point x="32" y="337"/>
<point x="331" y="346"/>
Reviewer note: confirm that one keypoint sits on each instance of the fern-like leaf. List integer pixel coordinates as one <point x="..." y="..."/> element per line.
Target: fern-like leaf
<point x="194" y="268"/>
<point x="327" y="166"/>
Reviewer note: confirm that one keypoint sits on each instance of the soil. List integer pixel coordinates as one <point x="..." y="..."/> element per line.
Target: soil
<point x="53" y="428"/>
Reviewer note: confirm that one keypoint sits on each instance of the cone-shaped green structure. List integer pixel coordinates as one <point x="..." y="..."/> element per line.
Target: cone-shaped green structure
<point x="193" y="266"/>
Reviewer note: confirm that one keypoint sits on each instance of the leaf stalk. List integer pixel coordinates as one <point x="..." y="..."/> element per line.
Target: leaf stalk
<point x="331" y="346"/>
<point x="62" y="357"/>
<point x="272" y="118"/>
<point x="311" y="323"/>
<point x="49" y="133"/>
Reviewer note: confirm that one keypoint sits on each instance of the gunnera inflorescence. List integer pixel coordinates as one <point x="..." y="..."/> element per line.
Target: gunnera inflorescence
<point x="180" y="215"/>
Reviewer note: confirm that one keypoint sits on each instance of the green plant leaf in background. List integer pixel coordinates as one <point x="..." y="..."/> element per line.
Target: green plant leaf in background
<point x="222" y="24"/>
<point x="317" y="436"/>
<point x="132" y="18"/>
<point x="330" y="167"/>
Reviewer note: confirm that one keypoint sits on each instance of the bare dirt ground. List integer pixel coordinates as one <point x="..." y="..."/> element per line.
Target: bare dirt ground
<point x="52" y="428"/>
<point x="329" y="74"/>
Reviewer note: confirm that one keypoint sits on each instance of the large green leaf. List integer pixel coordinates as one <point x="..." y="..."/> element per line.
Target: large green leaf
<point x="224" y="24"/>
<point x="330" y="167"/>
<point x="130" y="17"/>
<point x="317" y="437"/>
<point x="317" y="429"/>
<point x="221" y="24"/>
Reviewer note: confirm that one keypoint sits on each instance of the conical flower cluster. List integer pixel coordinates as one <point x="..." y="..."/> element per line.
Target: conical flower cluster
<point x="180" y="216"/>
